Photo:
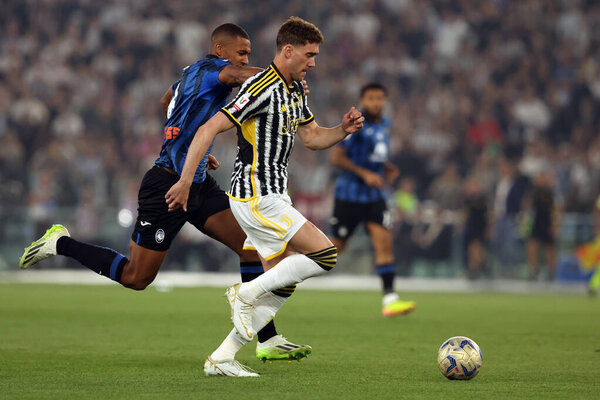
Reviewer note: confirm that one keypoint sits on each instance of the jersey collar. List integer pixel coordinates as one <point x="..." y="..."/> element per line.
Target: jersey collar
<point x="289" y="88"/>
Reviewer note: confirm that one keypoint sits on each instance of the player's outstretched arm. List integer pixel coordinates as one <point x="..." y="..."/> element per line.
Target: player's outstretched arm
<point x="235" y="76"/>
<point x="315" y="137"/>
<point x="177" y="196"/>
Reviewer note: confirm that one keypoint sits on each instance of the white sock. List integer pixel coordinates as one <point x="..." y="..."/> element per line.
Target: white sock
<point x="230" y="346"/>
<point x="291" y="270"/>
<point x="265" y="309"/>
<point x="390" y="298"/>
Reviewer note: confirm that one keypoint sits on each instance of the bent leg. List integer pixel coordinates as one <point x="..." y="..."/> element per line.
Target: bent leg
<point x="142" y="267"/>
<point x="224" y="228"/>
<point x="135" y="272"/>
<point x="317" y="255"/>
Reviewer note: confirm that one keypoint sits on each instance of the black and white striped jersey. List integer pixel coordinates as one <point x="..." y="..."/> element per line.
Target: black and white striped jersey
<point x="267" y="112"/>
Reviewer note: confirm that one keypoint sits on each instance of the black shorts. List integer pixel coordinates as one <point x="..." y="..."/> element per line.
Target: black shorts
<point x="156" y="227"/>
<point x="348" y="215"/>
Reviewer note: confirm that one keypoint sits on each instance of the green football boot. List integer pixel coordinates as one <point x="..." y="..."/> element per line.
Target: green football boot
<point x="279" y="348"/>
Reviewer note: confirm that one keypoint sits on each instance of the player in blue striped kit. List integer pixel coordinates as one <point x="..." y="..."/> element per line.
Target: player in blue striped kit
<point x="359" y="194"/>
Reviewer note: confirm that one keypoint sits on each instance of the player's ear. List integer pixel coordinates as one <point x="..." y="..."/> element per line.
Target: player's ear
<point x="288" y="50"/>
<point x="219" y="50"/>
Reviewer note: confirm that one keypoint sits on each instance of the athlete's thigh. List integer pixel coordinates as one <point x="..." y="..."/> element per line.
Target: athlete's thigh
<point x="268" y="264"/>
<point x="270" y="222"/>
<point x="223" y="227"/>
<point x="309" y="239"/>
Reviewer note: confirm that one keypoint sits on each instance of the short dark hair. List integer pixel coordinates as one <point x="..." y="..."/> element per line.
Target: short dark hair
<point x="372" y="86"/>
<point x="231" y="30"/>
<point x="298" y="32"/>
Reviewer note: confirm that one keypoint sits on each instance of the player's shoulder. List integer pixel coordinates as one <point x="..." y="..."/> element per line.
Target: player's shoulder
<point x="260" y="84"/>
<point x="212" y="63"/>
<point x="385" y="121"/>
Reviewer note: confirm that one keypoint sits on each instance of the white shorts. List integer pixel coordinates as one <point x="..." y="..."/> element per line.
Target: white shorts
<point x="269" y="222"/>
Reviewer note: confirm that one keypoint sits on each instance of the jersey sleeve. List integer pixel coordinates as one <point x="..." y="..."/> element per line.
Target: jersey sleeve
<point x="306" y="116"/>
<point x="211" y="74"/>
<point x="246" y="106"/>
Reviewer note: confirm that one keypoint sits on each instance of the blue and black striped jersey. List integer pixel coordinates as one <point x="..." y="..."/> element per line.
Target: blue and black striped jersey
<point x="369" y="149"/>
<point x="198" y="95"/>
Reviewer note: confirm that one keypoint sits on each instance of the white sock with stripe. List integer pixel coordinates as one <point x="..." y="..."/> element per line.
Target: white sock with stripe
<point x="265" y="309"/>
<point x="291" y="270"/>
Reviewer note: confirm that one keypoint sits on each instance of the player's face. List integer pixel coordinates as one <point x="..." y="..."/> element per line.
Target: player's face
<point x="237" y="51"/>
<point x="303" y="59"/>
<point x="373" y="101"/>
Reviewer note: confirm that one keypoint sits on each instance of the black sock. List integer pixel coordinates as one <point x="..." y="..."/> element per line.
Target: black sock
<point x="249" y="271"/>
<point x="101" y="260"/>
<point x="387" y="272"/>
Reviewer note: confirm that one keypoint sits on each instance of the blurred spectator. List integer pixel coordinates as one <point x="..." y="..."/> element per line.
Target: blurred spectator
<point x="540" y="207"/>
<point x="507" y="207"/>
<point x="475" y="231"/>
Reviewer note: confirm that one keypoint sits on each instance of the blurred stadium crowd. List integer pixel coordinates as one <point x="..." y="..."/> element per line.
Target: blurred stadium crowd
<point x="482" y="93"/>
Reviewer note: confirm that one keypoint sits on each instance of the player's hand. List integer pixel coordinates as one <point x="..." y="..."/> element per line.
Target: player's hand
<point x="177" y="196"/>
<point x="212" y="163"/>
<point x="352" y="121"/>
<point x="305" y="86"/>
<point x="372" y="179"/>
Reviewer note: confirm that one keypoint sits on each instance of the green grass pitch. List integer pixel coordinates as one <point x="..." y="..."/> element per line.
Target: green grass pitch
<point x="87" y="342"/>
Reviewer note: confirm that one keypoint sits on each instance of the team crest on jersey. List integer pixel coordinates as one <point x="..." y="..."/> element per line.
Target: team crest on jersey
<point x="241" y="102"/>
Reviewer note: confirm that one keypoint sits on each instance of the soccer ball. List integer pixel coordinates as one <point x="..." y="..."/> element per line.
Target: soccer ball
<point x="459" y="358"/>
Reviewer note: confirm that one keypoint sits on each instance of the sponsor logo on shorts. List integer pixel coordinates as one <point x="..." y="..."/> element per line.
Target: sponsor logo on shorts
<point x="159" y="236"/>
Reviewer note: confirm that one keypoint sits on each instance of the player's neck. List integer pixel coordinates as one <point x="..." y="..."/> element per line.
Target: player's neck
<point x="282" y="69"/>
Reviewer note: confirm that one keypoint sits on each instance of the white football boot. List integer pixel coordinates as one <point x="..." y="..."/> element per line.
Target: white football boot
<point x="44" y="247"/>
<point x="241" y="313"/>
<point x="227" y="368"/>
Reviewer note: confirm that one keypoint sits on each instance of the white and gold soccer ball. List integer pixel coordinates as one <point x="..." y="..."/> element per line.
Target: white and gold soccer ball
<point x="459" y="358"/>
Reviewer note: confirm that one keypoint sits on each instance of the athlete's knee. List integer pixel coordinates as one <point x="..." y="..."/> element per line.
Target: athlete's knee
<point x="326" y="258"/>
<point x="135" y="278"/>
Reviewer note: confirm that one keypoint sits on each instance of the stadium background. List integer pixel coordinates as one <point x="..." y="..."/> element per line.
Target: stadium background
<point x="469" y="82"/>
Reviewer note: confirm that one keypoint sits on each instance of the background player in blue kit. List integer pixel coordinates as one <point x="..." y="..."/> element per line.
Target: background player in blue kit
<point x="202" y="90"/>
<point x="359" y="194"/>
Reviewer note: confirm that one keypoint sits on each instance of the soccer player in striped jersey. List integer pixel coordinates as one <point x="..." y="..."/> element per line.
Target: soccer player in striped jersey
<point x="202" y="90"/>
<point x="268" y="112"/>
<point x="359" y="194"/>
